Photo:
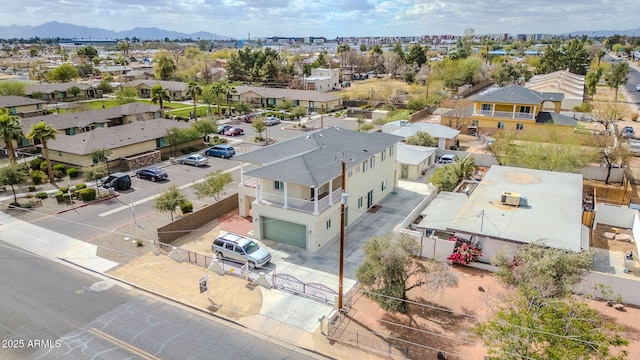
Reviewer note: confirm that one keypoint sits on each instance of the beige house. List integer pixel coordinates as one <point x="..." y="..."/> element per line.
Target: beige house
<point x="22" y="106"/>
<point x="413" y="161"/>
<point x="176" y="89"/>
<point x="55" y="92"/>
<point x="445" y="136"/>
<point x="570" y="85"/>
<point x="293" y="189"/>
<point x="323" y="80"/>
<point x="264" y="97"/>
<point x="124" y="141"/>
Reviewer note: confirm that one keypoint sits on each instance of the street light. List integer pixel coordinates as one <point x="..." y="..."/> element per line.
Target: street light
<point x="106" y="159"/>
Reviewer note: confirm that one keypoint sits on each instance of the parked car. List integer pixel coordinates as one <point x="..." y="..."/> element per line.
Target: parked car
<point x="240" y="249"/>
<point x="627" y="132"/>
<point x="195" y="160"/>
<point x="118" y="181"/>
<point x="223" y="150"/>
<point x="446" y="159"/>
<point x="638" y="87"/>
<point x="153" y="173"/>
<point x="234" y="131"/>
<point x="223" y="128"/>
<point x="248" y="118"/>
<point x="271" y="120"/>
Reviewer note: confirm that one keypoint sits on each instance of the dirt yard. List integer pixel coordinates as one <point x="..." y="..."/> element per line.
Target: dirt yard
<point x="443" y="321"/>
<point x="612" y="238"/>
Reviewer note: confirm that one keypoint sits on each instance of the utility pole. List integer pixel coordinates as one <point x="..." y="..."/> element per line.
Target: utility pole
<point x="343" y="203"/>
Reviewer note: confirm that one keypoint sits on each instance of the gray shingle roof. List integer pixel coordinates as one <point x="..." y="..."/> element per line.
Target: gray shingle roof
<point x="545" y="117"/>
<point x="316" y="158"/>
<point x="167" y="85"/>
<point x="11" y="100"/>
<point x="54" y="87"/>
<point x="114" y="137"/>
<point x="290" y="94"/>
<point x="516" y="94"/>
<point x="85" y="118"/>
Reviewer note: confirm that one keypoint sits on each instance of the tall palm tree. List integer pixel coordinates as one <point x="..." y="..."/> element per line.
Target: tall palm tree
<point x="218" y="89"/>
<point x="159" y="95"/>
<point x="193" y="90"/>
<point x="466" y="167"/>
<point x="229" y="89"/>
<point x="44" y="132"/>
<point x="10" y="130"/>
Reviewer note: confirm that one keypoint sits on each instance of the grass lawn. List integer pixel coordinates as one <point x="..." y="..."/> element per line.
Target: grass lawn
<point x="185" y="111"/>
<point x="383" y="89"/>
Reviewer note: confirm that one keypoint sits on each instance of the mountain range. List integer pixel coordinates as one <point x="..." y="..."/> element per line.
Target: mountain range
<point x="54" y="29"/>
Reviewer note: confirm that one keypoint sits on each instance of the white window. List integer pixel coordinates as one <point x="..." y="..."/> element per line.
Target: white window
<point x="358" y="169"/>
<point x="384" y="184"/>
<point x="384" y="154"/>
<point x="519" y="126"/>
<point x="278" y="185"/>
<point x="360" y="200"/>
<point x="500" y="124"/>
<point x="391" y="151"/>
<point x="328" y="224"/>
<point x="350" y="173"/>
<point x="372" y="162"/>
<point x="365" y="166"/>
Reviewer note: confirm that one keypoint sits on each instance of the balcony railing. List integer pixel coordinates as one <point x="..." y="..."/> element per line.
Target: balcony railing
<point x="302" y="204"/>
<point x="506" y="114"/>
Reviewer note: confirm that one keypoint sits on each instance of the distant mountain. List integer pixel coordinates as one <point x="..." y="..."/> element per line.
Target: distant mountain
<point x="54" y="29"/>
<point x="605" y="33"/>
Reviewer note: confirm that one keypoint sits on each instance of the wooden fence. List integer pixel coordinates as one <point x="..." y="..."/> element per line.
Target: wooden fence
<point x="608" y="194"/>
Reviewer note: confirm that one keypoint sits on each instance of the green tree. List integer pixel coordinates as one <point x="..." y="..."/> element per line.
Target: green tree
<point x="445" y="177"/>
<point x="126" y="94"/>
<point x="576" y="57"/>
<point x="10" y="131"/>
<point x="213" y="185"/>
<point x="193" y="90"/>
<point x="169" y="200"/>
<point x="421" y="138"/>
<point x="205" y="127"/>
<point x="591" y="81"/>
<point x="159" y="95"/>
<point x="259" y="126"/>
<point x="87" y="53"/>
<point x="506" y="73"/>
<point x="74" y="90"/>
<point x="208" y="97"/>
<point x="610" y="153"/>
<point x="465" y="167"/>
<point x="391" y="268"/>
<point x="105" y="86"/>
<point x="164" y="66"/>
<point x="416" y="56"/>
<point x="551" y="59"/>
<point x="15" y="88"/>
<point x="12" y="174"/>
<point x="229" y="90"/>
<point x="217" y="89"/>
<point x="342" y="51"/>
<point x="95" y="173"/>
<point x="616" y="76"/>
<point x="44" y="132"/>
<point x="124" y="46"/>
<point x="600" y="53"/>
<point x="244" y="108"/>
<point x="63" y="73"/>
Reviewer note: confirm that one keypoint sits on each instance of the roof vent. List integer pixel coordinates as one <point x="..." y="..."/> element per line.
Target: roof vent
<point x="513" y="199"/>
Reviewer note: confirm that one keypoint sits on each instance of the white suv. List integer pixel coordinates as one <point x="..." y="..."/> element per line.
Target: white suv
<point x="446" y="159"/>
<point x="240" y="249"/>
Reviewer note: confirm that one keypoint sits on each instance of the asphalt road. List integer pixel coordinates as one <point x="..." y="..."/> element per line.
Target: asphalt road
<point x="51" y="311"/>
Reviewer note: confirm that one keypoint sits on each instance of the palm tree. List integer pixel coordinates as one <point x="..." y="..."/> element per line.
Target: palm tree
<point x="10" y="130"/>
<point x="159" y="95"/>
<point x="193" y="90"/>
<point x="43" y="132"/>
<point x="218" y="89"/>
<point x="124" y="47"/>
<point x="229" y="89"/>
<point x="466" y="167"/>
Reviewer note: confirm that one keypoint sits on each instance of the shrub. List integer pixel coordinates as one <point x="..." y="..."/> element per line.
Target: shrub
<point x="14" y="204"/>
<point x="64" y="189"/>
<point x="43" y="165"/>
<point x="184" y="151"/>
<point x="634" y="117"/>
<point x="193" y="149"/>
<point x="73" y="172"/>
<point x="58" y="174"/>
<point x="37" y="177"/>
<point x="27" y="205"/>
<point x="186" y="207"/>
<point x="59" y="196"/>
<point x="42" y="195"/>
<point x="87" y="194"/>
<point x="139" y="242"/>
<point x="81" y="186"/>
<point x="35" y="163"/>
<point x="59" y="167"/>
<point x="32" y="188"/>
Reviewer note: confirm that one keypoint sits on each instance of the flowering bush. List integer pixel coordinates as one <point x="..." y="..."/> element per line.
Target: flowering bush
<point x="464" y="252"/>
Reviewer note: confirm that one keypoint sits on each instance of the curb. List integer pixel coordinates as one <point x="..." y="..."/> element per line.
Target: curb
<point x="87" y="204"/>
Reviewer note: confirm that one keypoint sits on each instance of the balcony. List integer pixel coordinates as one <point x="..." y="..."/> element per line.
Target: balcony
<point x="505" y="114"/>
<point x="324" y="201"/>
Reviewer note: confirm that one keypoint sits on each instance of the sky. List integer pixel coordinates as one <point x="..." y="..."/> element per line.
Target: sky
<point x="332" y="18"/>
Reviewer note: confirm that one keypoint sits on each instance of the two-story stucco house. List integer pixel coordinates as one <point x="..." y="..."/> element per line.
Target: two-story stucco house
<point x="22" y="106"/>
<point x="293" y="188"/>
<point x="323" y="80"/>
<point x="517" y="108"/>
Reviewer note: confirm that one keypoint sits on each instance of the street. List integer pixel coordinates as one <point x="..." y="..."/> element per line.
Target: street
<point x="52" y="311"/>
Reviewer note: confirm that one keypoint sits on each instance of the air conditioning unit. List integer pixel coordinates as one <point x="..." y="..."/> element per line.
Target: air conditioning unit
<point x="511" y="198"/>
<point x="404" y="123"/>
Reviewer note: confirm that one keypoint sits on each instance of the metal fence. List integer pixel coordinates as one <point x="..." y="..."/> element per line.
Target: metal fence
<point x="315" y="291"/>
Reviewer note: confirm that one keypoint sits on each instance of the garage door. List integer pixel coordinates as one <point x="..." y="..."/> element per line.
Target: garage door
<point x="284" y="232"/>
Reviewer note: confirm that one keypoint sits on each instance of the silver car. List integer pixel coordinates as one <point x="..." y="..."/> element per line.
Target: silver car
<point x="271" y="120"/>
<point x="240" y="249"/>
<point x="195" y="160"/>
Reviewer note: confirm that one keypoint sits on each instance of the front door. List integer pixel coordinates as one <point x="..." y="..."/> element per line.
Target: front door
<point x="370" y="199"/>
<point x="405" y="171"/>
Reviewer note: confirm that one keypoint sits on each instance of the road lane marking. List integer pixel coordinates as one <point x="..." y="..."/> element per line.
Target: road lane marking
<point x="143" y="354"/>
<point x="141" y="201"/>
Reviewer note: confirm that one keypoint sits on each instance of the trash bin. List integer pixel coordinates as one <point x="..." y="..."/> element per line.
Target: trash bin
<point x="112" y="192"/>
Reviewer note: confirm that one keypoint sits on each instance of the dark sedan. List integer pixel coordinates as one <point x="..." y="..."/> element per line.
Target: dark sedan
<point x="223" y="128"/>
<point x="153" y="173"/>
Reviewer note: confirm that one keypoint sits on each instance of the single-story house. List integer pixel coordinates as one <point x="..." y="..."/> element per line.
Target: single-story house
<point x="176" y="89"/>
<point x="414" y="160"/>
<point x="444" y="135"/>
<point x="142" y="74"/>
<point x="22" y="106"/>
<point x="53" y="92"/>
<point x="125" y="140"/>
<point x="272" y="97"/>
<point x="512" y="206"/>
